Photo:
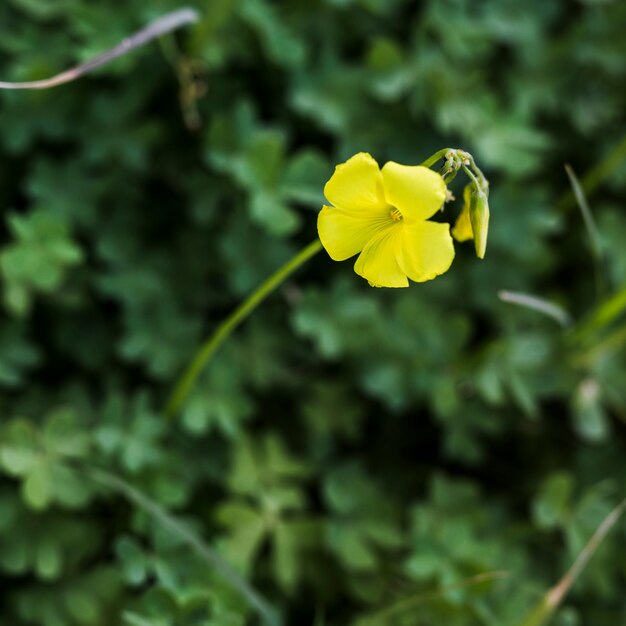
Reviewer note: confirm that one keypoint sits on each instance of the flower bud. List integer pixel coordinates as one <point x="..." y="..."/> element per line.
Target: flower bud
<point x="479" y="218"/>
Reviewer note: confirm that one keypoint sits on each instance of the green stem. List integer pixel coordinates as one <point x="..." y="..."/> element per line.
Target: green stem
<point x="473" y="178"/>
<point x="435" y="157"/>
<point x="607" y="312"/>
<point x="592" y="230"/>
<point x="177" y="528"/>
<point x="225" y="329"/>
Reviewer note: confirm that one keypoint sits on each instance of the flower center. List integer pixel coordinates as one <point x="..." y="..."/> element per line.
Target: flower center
<point x="396" y="216"/>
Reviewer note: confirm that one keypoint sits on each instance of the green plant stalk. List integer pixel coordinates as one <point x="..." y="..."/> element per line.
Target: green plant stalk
<point x="267" y="612"/>
<point x="225" y="329"/>
<point x="431" y="160"/>
<point x="592" y="230"/>
<point x="550" y="602"/>
<point x="604" y="314"/>
<point x="585" y="210"/>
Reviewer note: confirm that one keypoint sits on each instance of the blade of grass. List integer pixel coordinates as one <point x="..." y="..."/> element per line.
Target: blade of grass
<point x="592" y="229"/>
<point x="551" y="601"/>
<point x="159" y="27"/>
<point x="603" y="315"/>
<point x="583" y="205"/>
<point x="256" y="601"/>
<point x="557" y="313"/>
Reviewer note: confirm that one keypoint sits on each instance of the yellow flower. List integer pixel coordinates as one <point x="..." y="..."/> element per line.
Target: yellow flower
<point x="462" y="230"/>
<point x="383" y="215"/>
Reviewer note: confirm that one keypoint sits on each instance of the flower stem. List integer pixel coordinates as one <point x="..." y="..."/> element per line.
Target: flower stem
<point x="181" y="531"/>
<point x="431" y="160"/>
<point x="225" y="329"/>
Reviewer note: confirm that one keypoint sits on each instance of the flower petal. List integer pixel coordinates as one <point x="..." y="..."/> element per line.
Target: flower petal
<point x="426" y="250"/>
<point x="377" y="263"/>
<point x="357" y="185"/>
<point x="345" y="233"/>
<point x="416" y="190"/>
<point x="462" y="230"/>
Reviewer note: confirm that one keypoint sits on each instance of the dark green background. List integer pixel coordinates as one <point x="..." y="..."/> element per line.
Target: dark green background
<point x="349" y="447"/>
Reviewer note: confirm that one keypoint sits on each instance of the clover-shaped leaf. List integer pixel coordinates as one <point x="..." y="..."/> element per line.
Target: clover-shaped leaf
<point x="38" y="260"/>
<point x="256" y="157"/>
<point x="270" y="505"/>
<point x="134" y="442"/>
<point x="39" y="459"/>
<point x="364" y="520"/>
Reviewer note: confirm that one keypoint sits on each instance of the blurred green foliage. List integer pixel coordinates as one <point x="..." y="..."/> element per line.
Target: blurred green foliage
<point x="356" y="454"/>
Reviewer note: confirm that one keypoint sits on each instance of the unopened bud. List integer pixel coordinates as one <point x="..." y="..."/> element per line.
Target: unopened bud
<point x="479" y="218"/>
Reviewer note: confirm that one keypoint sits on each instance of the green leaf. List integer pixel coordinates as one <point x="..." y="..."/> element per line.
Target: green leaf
<point x="282" y="45"/>
<point x="552" y="505"/>
<point x="246" y="532"/>
<point x="133" y="560"/>
<point x="590" y="418"/>
<point x="62" y="434"/>
<point x="49" y="561"/>
<point x="19" y="452"/>
<point x="39" y="488"/>
<point x="38" y="260"/>
<point x="304" y="178"/>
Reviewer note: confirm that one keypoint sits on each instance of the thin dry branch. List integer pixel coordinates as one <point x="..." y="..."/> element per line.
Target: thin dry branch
<point x="159" y="27"/>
